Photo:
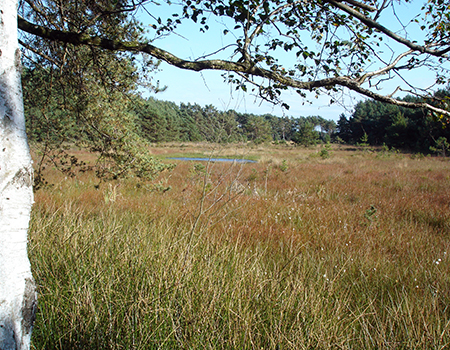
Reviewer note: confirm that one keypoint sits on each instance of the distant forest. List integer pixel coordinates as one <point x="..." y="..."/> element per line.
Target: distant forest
<point x="416" y="130"/>
<point x="162" y="121"/>
<point x="371" y="123"/>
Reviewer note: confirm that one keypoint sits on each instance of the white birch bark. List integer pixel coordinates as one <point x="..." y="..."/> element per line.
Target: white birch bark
<point x="17" y="289"/>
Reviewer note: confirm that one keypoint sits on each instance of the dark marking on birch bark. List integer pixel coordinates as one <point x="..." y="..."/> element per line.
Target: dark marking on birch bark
<point x="17" y="61"/>
<point x="6" y="119"/>
<point x="29" y="306"/>
<point x="24" y="177"/>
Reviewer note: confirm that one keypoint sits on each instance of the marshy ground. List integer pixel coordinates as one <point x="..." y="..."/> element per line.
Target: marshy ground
<point x="306" y="249"/>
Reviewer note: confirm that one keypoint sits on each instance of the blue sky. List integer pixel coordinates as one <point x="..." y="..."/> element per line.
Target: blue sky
<point x="208" y="87"/>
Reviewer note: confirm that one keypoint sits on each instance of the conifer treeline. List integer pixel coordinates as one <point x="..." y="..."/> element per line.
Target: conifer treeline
<point x="371" y="122"/>
<point x="162" y="121"/>
<point x="379" y="123"/>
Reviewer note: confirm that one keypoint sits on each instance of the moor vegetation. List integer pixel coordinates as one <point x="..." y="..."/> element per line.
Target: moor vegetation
<point x="297" y="251"/>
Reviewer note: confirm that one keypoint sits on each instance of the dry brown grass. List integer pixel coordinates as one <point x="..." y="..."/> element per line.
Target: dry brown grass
<point x="292" y="252"/>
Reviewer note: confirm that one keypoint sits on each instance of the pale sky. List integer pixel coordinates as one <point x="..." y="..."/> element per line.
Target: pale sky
<point x="208" y="87"/>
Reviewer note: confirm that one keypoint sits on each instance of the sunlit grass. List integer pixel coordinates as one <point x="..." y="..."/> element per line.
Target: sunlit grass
<point x="347" y="252"/>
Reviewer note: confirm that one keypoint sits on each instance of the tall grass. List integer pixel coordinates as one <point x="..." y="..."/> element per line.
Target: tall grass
<point x="350" y="252"/>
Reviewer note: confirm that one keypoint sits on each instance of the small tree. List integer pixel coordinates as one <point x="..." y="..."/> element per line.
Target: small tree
<point x="441" y="147"/>
<point x="364" y="141"/>
<point x="307" y="135"/>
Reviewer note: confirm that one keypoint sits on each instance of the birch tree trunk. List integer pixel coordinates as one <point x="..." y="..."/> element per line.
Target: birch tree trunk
<point x="17" y="289"/>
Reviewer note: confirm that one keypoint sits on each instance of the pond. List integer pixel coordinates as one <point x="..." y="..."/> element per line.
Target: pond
<point x="235" y="160"/>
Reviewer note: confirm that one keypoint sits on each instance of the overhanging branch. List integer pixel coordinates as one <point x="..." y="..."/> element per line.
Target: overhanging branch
<point x="375" y="25"/>
<point x="216" y="64"/>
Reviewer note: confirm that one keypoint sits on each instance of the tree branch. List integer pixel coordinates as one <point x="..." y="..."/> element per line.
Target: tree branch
<point x="222" y="65"/>
<point x="44" y="56"/>
<point x="385" y="69"/>
<point x="375" y="25"/>
<point x="361" y="5"/>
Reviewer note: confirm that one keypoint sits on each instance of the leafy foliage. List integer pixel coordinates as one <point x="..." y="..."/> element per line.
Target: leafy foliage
<point x="324" y="47"/>
<point x="82" y="96"/>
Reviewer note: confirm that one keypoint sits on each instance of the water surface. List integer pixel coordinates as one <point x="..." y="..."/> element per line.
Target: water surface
<point x="236" y="160"/>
